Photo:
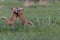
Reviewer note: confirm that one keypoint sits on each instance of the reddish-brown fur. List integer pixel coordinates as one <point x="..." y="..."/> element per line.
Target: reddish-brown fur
<point x="23" y="19"/>
<point x="12" y="19"/>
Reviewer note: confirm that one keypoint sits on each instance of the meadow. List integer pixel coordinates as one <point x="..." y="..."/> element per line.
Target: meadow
<point x="46" y="21"/>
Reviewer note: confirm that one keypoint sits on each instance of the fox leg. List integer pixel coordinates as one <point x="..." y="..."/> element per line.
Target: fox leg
<point x="24" y="20"/>
<point x="11" y="20"/>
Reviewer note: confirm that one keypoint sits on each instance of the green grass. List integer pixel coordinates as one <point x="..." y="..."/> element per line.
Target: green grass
<point x="39" y="15"/>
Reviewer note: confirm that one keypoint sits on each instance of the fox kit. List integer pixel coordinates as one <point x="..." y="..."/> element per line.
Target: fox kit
<point x="17" y="12"/>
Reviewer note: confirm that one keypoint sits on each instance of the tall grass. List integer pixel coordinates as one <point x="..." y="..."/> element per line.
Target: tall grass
<point x="46" y="22"/>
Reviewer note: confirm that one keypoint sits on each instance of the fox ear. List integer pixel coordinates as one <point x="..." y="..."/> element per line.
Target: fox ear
<point x="11" y="8"/>
<point x="21" y="9"/>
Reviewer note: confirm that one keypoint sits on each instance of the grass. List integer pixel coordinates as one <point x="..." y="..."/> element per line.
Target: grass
<point x="41" y="29"/>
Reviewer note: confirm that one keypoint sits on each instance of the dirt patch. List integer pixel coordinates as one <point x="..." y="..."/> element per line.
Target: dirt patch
<point x="27" y="4"/>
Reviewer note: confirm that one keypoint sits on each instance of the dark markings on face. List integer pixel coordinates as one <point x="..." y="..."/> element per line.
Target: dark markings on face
<point x="17" y="10"/>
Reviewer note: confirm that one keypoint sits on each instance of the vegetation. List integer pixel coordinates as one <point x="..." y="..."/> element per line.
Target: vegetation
<point x="46" y="21"/>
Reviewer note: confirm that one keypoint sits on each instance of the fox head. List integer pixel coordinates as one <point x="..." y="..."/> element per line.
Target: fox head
<point x="17" y="10"/>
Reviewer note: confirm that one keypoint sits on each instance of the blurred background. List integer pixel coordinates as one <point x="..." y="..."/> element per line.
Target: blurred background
<point x="45" y="14"/>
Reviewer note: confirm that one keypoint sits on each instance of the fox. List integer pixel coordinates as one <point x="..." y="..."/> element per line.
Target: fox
<point x="17" y="12"/>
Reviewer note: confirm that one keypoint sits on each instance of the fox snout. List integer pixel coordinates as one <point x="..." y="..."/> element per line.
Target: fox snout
<point x="17" y="11"/>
